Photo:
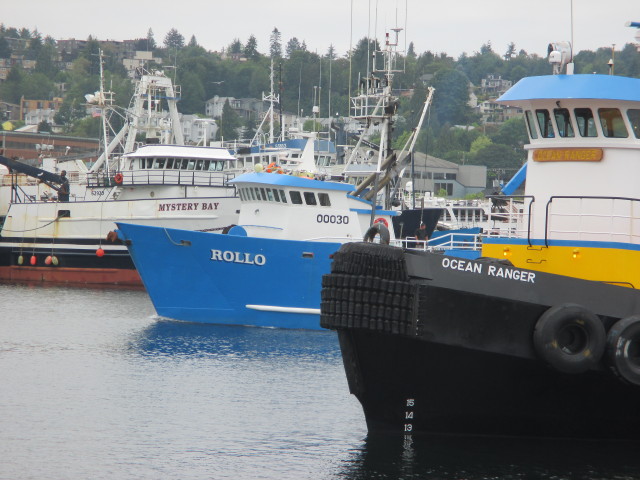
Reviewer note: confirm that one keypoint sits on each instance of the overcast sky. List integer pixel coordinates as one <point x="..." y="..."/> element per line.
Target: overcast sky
<point x="451" y="26"/>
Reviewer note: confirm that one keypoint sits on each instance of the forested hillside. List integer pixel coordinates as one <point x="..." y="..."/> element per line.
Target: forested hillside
<point x="302" y="78"/>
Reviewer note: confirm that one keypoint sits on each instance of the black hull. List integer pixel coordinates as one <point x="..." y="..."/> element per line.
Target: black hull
<point x="433" y="349"/>
<point x="458" y="391"/>
<point x="77" y="262"/>
<point x="406" y="224"/>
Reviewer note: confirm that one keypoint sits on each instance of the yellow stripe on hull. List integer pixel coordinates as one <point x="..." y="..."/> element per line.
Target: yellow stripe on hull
<point x="611" y="265"/>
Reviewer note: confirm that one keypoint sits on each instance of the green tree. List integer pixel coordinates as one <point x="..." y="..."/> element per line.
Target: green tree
<point x="229" y="123"/>
<point x="292" y="45"/>
<point x="45" y="61"/>
<point x="151" y="42"/>
<point x="193" y="94"/>
<point x="479" y="143"/>
<point x="512" y="133"/>
<point x="251" y="48"/>
<point x="173" y="40"/>
<point x="236" y="46"/>
<point x="44" y="126"/>
<point x="5" y="50"/>
<point x="275" y="44"/>
<point x="450" y="101"/>
<point x="497" y="156"/>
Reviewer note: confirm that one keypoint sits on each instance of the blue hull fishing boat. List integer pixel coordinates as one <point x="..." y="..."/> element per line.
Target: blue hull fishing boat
<point x="267" y="269"/>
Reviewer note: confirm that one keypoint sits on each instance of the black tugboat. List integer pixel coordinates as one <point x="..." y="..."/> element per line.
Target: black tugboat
<point x="539" y="337"/>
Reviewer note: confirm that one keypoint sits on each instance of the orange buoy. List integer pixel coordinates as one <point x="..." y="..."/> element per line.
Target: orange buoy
<point x="47" y="261"/>
<point x="100" y="252"/>
<point x="33" y="260"/>
<point x="118" y="178"/>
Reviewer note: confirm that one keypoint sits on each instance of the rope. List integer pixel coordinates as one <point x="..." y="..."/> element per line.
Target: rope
<point x="182" y="243"/>
<point x="32" y="229"/>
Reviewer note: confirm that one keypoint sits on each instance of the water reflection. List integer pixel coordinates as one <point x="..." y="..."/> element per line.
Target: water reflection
<point x="182" y="339"/>
<point x="489" y="458"/>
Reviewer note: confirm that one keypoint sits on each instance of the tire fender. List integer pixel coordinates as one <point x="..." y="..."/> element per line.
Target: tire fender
<point x="623" y="349"/>
<point x="570" y="338"/>
<point x="378" y="229"/>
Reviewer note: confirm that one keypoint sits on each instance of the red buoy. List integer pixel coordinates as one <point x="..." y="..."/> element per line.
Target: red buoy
<point x="47" y="260"/>
<point x="100" y="252"/>
<point x="33" y="260"/>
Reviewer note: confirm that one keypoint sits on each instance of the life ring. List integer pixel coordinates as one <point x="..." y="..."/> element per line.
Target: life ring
<point x="623" y="349"/>
<point x="570" y="338"/>
<point x="377" y="229"/>
<point x="118" y="178"/>
<point x="383" y="221"/>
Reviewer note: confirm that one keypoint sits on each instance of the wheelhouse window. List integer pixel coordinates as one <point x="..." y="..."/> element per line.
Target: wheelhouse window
<point x="544" y="122"/>
<point x="563" y="122"/>
<point x="296" y="198"/>
<point x="585" y="122"/>
<point x="310" y="198"/>
<point x="283" y="196"/>
<point x="612" y="123"/>
<point x="531" y="126"/>
<point x="324" y="200"/>
<point x="633" y="114"/>
<point x="169" y="163"/>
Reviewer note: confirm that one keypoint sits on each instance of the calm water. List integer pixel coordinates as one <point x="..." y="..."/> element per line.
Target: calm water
<point x="93" y="386"/>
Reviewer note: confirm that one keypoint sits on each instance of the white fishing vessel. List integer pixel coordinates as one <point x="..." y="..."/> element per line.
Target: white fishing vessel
<point x="170" y="185"/>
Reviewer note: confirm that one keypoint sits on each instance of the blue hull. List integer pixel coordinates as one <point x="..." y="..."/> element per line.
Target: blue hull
<point x="229" y="279"/>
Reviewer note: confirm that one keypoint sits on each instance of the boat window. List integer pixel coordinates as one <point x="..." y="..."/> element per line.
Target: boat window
<point x="324" y="199"/>
<point x="531" y="125"/>
<point x="241" y="194"/>
<point x="276" y="196"/>
<point x="544" y="122"/>
<point x="283" y="197"/>
<point x="191" y="164"/>
<point x="270" y="195"/>
<point x="253" y="197"/>
<point x="142" y="163"/>
<point x="633" y="114"/>
<point x="159" y="163"/>
<point x="585" y="121"/>
<point x="296" y="198"/>
<point x="256" y="190"/>
<point x="169" y="163"/>
<point x="563" y="122"/>
<point x="149" y="162"/>
<point x="206" y="165"/>
<point x="612" y="123"/>
<point x="310" y="198"/>
<point x="264" y="194"/>
<point x="199" y="165"/>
